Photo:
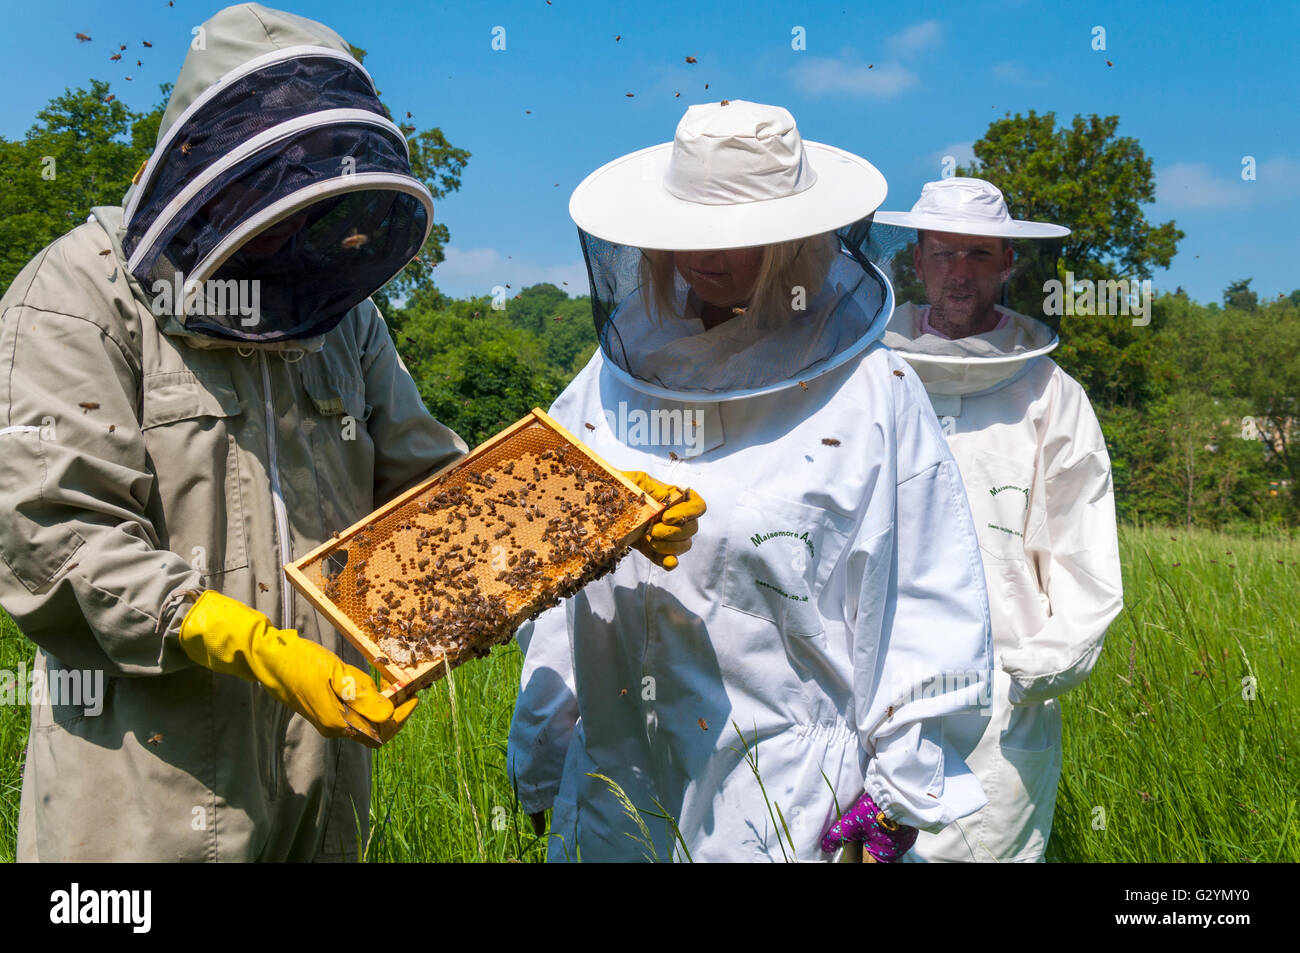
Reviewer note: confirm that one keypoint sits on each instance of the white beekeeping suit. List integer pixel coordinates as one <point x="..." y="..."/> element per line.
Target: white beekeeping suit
<point x="831" y="613"/>
<point x="1035" y="466"/>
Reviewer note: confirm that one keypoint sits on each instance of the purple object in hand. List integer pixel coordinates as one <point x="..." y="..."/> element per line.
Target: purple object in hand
<point x="880" y="837"/>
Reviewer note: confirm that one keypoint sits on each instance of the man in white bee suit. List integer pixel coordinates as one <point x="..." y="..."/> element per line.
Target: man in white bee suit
<point x="1035" y="466"/>
<point x="831" y="613"/>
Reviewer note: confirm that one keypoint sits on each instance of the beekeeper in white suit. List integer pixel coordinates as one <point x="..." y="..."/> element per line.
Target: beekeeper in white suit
<point x="832" y="610"/>
<point x="1038" y="476"/>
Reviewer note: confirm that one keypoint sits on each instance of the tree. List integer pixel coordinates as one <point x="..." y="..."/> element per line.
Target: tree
<point x="1238" y="296"/>
<point x="76" y="156"/>
<point x="1084" y="177"/>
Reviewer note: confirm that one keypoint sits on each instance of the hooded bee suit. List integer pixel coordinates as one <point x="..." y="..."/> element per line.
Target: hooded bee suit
<point x="153" y="444"/>
<point x="831" y="611"/>
<point x="1038" y="476"/>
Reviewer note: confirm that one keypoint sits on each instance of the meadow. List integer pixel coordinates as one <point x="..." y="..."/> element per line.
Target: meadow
<point x="1181" y="747"/>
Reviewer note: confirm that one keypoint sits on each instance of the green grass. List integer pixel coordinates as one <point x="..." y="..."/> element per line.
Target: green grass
<point x="1163" y="737"/>
<point x="1160" y="738"/>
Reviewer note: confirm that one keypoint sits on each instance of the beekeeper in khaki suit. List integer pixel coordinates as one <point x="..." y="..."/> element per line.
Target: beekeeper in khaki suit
<point x="155" y="445"/>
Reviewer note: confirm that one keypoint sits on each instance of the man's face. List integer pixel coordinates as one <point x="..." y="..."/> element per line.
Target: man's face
<point x="963" y="275"/>
<point x="723" y="278"/>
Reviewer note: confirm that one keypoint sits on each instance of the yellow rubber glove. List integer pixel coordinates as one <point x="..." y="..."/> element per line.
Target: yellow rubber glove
<point x="670" y="535"/>
<point x="224" y="635"/>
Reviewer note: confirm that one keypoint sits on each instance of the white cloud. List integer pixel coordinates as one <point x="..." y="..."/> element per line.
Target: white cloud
<point x="1280" y="176"/>
<point x="1195" y="185"/>
<point x="918" y="36"/>
<point x="472" y="272"/>
<point x="817" y="75"/>
<point x="962" y="152"/>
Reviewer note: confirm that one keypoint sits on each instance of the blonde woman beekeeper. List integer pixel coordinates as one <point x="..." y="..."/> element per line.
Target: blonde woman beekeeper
<point x="831" y="614"/>
<point x="1036" y="469"/>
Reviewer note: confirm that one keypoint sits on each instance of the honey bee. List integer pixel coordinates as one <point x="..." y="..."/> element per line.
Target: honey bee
<point x="704" y="725"/>
<point x="690" y="59"/>
<point x="115" y="57"/>
<point x="355" y="240"/>
<point x="185" y="148"/>
<point x="88" y="405"/>
<point x="263" y="587"/>
<point x="889" y="713"/>
<point x="830" y="441"/>
<point x="82" y="37"/>
<point x="803" y="386"/>
<point x="589" y="426"/>
<point x="898" y="373"/>
<point x="122" y="47"/>
<point x="629" y="95"/>
<point x="109" y="98"/>
<point x="112" y="427"/>
<point x="726" y="102"/>
<point x="1109" y="63"/>
<point x="107" y="251"/>
<point x="673" y="456"/>
<point x="381" y="660"/>
<point x="618" y="37"/>
<point x="155" y="738"/>
<point x="622" y="692"/>
<point x="147" y="43"/>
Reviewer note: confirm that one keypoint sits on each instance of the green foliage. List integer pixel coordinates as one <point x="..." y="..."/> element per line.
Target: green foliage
<point x="477" y="369"/>
<point x="1238" y="295"/>
<point x="81" y="152"/>
<point x="1083" y="176"/>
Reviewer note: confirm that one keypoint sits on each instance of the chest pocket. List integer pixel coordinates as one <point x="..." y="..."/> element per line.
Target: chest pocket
<point x="779" y="556"/>
<point x="342" y="451"/>
<point x="189" y="422"/>
<point x="999" y="489"/>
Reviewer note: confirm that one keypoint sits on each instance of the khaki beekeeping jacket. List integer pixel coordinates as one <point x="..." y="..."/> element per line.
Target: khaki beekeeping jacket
<point x="137" y="461"/>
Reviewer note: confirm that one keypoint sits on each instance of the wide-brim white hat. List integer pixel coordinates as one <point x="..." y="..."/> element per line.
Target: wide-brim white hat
<point x="967" y="206"/>
<point x="734" y="176"/>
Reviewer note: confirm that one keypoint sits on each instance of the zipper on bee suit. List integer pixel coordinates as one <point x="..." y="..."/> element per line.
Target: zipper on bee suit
<point x="282" y="537"/>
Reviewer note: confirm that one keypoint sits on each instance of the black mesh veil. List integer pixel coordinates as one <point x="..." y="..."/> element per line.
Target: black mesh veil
<point x="816" y="303"/>
<point x="279" y="201"/>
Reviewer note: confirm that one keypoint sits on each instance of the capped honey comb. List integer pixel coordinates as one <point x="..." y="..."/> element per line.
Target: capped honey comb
<point x="455" y="565"/>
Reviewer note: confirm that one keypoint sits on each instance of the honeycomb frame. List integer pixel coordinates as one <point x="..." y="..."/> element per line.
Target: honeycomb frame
<point x="324" y="575"/>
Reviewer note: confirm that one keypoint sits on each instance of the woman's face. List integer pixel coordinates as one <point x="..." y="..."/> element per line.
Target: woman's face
<point x="723" y="278"/>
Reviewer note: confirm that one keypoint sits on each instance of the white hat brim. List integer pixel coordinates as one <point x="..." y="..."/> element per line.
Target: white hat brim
<point x="625" y="202"/>
<point x="936" y="223"/>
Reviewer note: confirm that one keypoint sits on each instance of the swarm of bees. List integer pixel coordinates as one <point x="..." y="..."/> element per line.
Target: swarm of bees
<point x="459" y="567"/>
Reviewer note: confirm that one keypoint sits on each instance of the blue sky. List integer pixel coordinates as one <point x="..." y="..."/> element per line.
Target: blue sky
<point x="1199" y="85"/>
